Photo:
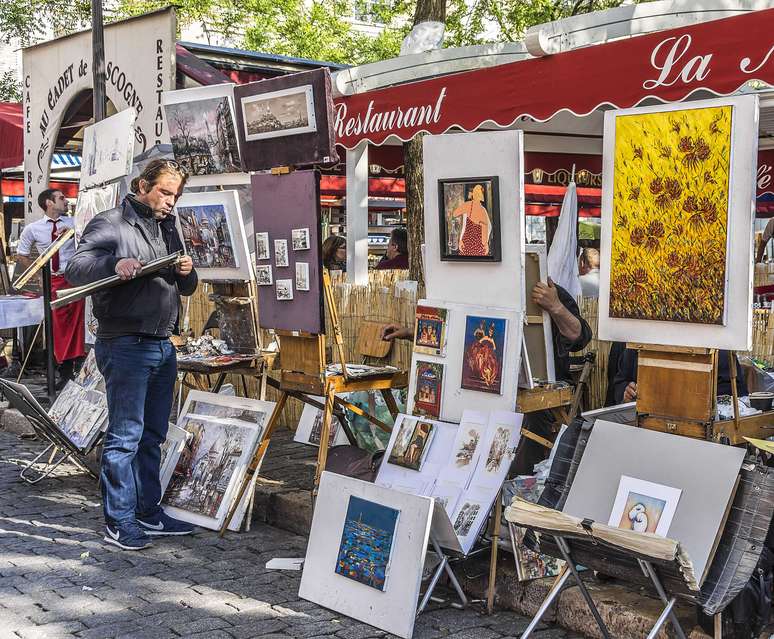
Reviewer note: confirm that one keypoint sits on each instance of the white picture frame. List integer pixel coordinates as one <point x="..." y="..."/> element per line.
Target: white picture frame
<point x="248" y="418"/>
<point x="736" y="332"/>
<point x="637" y="500"/>
<point x="302" y="276"/>
<point x="300" y="239"/>
<point x="393" y="609"/>
<point x="284" y="290"/>
<point x="262" y="246"/>
<point x="274" y="107"/>
<point x="462" y="155"/>
<point x="281" y="255"/>
<point x="308" y="424"/>
<point x="263" y="275"/>
<point x="182" y="103"/>
<point x="108" y="149"/>
<point x="191" y="212"/>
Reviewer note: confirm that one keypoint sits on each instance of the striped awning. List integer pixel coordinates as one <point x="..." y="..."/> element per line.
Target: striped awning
<point x="61" y="160"/>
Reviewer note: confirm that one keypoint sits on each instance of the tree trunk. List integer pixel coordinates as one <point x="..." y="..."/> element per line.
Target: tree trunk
<point x="415" y="207"/>
<point x="413" y="167"/>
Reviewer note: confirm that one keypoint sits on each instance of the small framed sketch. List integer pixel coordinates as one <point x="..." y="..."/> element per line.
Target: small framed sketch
<point x="279" y="114"/>
<point x="263" y="275"/>
<point x="262" y="246"/>
<point x="300" y="239"/>
<point x="469" y="218"/>
<point x="284" y="290"/>
<point x="281" y="253"/>
<point x="302" y="276"/>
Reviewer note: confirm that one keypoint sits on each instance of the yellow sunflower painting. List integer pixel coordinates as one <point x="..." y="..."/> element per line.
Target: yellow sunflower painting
<point x="670" y="216"/>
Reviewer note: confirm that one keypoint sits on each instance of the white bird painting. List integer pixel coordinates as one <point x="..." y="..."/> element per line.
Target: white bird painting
<point x="639" y="518"/>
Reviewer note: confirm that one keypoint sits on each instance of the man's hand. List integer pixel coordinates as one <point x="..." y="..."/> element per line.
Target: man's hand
<point x="184" y="265"/>
<point x="547" y="297"/>
<point x="396" y="331"/>
<point x="128" y="268"/>
<point x="630" y="394"/>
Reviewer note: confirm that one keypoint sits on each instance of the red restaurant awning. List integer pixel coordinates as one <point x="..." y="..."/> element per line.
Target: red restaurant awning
<point x="719" y="56"/>
<point x="11" y="134"/>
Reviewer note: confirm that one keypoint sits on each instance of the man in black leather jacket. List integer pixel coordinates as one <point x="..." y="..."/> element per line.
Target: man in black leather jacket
<point x="134" y="354"/>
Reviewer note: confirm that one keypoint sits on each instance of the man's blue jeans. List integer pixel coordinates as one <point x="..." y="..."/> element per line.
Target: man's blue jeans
<point x="139" y="377"/>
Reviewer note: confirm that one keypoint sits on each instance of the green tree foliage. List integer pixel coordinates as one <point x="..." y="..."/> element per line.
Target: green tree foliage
<point x="10" y="87"/>
<point x="28" y="21"/>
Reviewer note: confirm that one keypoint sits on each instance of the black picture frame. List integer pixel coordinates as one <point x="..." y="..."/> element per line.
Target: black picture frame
<point x="490" y="203"/>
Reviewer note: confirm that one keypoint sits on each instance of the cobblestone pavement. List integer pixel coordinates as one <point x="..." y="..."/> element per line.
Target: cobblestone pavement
<point x="57" y="578"/>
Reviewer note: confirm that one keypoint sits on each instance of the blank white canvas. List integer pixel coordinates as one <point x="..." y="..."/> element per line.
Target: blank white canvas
<point x="706" y="472"/>
<point x="548" y="336"/>
<point x="470" y="155"/>
<point x="394" y="609"/>
<point x="454" y="398"/>
<point x="230" y="202"/>
<point x="108" y="149"/>
<point x="736" y="334"/>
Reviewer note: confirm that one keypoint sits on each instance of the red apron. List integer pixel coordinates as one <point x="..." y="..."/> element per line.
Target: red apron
<point x="68" y="324"/>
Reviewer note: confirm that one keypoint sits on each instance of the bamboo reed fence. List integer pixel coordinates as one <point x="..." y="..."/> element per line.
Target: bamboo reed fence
<point x="389" y="298"/>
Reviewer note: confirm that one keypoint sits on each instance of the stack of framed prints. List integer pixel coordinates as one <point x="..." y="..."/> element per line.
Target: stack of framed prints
<point x="677" y="208"/>
<point x="286" y="121"/>
<point x="463" y="356"/>
<point x="462" y="466"/>
<point x="651" y="482"/>
<point x="473" y="252"/>
<point x="286" y="218"/>
<point x="202" y="128"/>
<point x="366" y="552"/>
<point x="210" y="225"/>
<point x="80" y="410"/>
<point x="108" y="149"/>
<point x="222" y="434"/>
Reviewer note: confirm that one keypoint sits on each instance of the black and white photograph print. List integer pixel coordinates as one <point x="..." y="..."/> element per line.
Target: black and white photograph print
<point x="300" y="239"/>
<point x="281" y="253"/>
<point x="263" y="275"/>
<point x="278" y="114"/>
<point x="284" y="290"/>
<point x="262" y="246"/>
<point x="302" y="276"/>
<point x="465" y="518"/>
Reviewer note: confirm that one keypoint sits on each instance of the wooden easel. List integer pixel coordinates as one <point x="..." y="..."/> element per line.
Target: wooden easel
<point x="530" y="401"/>
<point x="677" y="394"/>
<point x="303" y="364"/>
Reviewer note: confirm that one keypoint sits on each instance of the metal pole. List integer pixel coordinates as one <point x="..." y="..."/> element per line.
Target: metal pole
<point x="98" y="60"/>
<point x="49" y="334"/>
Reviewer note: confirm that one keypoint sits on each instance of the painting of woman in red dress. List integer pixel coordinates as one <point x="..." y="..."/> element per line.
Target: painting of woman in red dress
<point x="482" y="366"/>
<point x="469" y="220"/>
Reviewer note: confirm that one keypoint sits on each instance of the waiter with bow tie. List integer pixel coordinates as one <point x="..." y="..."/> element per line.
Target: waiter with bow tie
<point x="68" y="321"/>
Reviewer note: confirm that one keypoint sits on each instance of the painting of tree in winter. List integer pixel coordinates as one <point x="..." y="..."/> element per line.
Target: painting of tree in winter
<point x="203" y="136"/>
<point x="670" y="215"/>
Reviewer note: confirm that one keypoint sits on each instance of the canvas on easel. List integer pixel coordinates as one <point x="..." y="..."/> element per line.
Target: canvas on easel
<point x="538" y="334"/>
<point x="677" y="208"/>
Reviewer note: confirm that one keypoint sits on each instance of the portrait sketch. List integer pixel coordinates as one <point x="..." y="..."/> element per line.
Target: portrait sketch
<point x="262" y="246"/>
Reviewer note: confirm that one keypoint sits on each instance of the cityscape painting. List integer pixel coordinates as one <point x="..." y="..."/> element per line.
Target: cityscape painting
<point x="280" y="113"/>
<point x="207" y="236"/>
<point x="201" y="127"/>
<point x="367" y="542"/>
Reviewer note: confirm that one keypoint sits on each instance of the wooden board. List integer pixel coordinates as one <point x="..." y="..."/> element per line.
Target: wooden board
<point x="303" y="354"/>
<point x="529" y="401"/>
<point x="681" y="386"/>
<point x="695" y="429"/>
<point x="370" y="342"/>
